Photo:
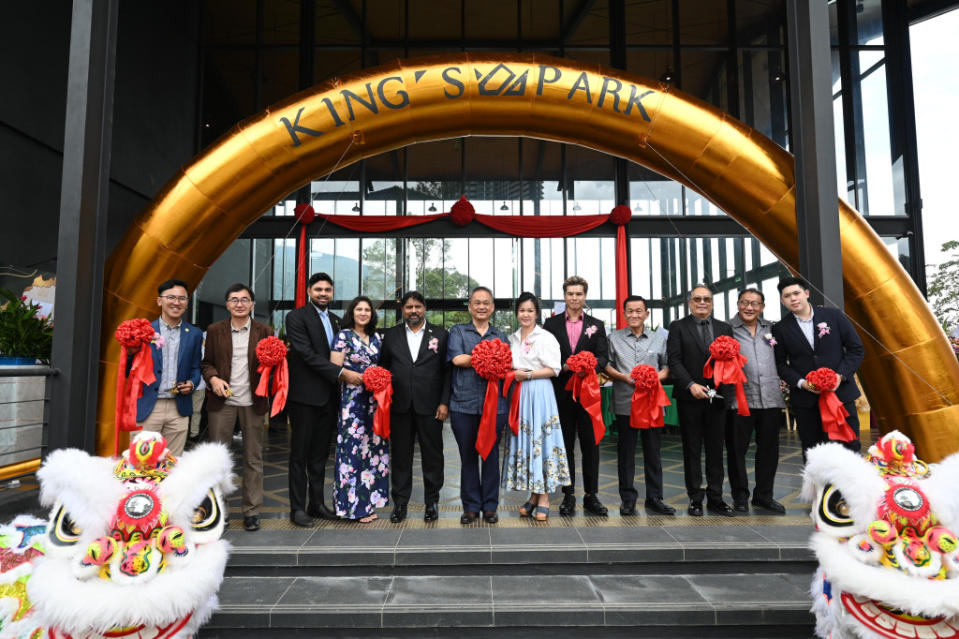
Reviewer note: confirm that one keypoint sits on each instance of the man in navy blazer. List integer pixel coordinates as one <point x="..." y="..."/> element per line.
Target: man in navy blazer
<point x="811" y="337"/>
<point x="167" y="404"/>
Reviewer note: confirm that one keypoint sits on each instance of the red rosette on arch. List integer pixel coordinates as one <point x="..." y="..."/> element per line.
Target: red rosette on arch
<point x="379" y="381"/>
<point x="132" y="334"/>
<point x="725" y="366"/>
<point x="493" y="361"/>
<point x="649" y="397"/>
<point x="831" y="410"/>
<point x="271" y="353"/>
<point x="584" y="385"/>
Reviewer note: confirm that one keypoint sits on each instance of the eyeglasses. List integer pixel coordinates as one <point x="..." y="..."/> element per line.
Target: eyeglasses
<point x="702" y="299"/>
<point x="750" y="304"/>
<point x="239" y="300"/>
<point x="175" y="298"/>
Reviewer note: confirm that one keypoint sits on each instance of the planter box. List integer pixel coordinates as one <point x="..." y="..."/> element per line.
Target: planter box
<point x="21" y="418"/>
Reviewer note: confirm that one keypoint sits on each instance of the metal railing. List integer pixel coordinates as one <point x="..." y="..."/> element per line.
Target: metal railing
<point x="24" y="416"/>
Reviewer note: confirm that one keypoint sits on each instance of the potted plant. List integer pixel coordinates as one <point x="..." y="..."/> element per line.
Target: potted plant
<point x="25" y="335"/>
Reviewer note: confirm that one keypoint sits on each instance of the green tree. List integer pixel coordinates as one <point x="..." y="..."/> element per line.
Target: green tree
<point x="943" y="289"/>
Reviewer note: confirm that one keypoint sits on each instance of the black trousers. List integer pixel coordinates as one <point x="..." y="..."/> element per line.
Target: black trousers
<point x="809" y="425"/>
<point x="405" y="428"/>
<point x="311" y="432"/>
<point x="574" y="421"/>
<point x="766" y="423"/>
<point x="626" y="460"/>
<point x="702" y="425"/>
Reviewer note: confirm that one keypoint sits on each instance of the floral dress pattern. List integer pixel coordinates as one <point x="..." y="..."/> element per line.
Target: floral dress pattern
<point x="361" y="480"/>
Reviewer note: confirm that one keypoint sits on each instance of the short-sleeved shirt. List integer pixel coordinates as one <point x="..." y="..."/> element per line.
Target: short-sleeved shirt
<point x="539" y="350"/>
<point x="762" y="379"/>
<point x="469" y="388"/>
<point x="626" y="351"/>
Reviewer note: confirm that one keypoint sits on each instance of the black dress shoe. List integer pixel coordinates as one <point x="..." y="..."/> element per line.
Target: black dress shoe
<point x="300" y="518"/>
<point x="320" y="511"/>
<point x="469" y="518"/>
<point x="628" y="510"/>
<point x="251" y="523"/>
<point x="660" y="507"/>
<point x="398" y="514"/>
<point x="741" y="507"/>
<point x="592" y="505"/>
<point x="720" y="508"/>
<point x="490" y="517"/>
<point x="695" y="509"/>
<point x="770" y="505"/>
<point x="432" y="513"/>
<point x="568" y="507"/>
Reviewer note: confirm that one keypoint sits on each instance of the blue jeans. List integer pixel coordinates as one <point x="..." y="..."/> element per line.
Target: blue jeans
<point x="479" y="478"/>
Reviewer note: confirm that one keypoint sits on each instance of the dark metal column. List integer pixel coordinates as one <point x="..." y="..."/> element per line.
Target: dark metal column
<point x="817" y="212"/>
<point x="81" y="246"/>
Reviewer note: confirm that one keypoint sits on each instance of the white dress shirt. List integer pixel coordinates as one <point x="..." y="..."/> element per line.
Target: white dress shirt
<point x="539" y="350"/>
<point x="414" y="339"/>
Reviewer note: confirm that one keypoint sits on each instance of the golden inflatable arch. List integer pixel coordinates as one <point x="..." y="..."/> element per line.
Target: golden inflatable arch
<point x="910" y="372"/>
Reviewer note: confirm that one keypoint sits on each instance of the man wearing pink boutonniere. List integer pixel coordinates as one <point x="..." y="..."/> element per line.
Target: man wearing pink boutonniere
<point x="812" y="337"/>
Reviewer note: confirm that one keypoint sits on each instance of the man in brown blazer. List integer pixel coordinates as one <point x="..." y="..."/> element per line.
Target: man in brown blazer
<point x="230" y="370"/>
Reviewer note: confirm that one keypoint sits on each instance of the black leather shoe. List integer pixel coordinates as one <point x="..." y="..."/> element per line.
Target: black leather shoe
<point x="320" y="511"/>
<point x="695" y="509"/>
<point x="568" y="507"/>
<point x="660" y="507"/>
<point x="469" y="518"/>
<point x="741" y="507"/>
<point x="300" y="518"/>
<point x="628" y="510"/>
<point x="398" y="514"/>
<point x="432" y="513"/>
<point x="251" y="524"/>
<point x="720" y="508"/>
<point x="770" y="505"/>
<point x="490" y="517"/>
<point x="592" y="505"/>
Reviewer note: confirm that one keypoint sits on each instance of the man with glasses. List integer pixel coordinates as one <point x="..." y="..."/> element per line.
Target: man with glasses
<point x="230" y="368"/>
<point x="766" y="405"/>
<point x="702" y="415"/>
<point x="166" y="405"/>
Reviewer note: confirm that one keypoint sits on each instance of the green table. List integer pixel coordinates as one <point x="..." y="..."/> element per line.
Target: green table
<point x="671" y="418"/>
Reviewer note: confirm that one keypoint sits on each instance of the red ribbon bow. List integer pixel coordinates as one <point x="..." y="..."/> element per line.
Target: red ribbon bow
<point x="131" y="334"/>
<point x="728" y="369"/>
<point x="831" y="410"/>
<point x="379" y="381"/>
<point x="492" y="360"/>
<point x="271" y="353"/>
<point x="584" y="385"/>
<point x="649" y="397"/>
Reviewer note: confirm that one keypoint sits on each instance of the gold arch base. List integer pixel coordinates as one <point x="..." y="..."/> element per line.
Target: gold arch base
<point x="910" y="371"/>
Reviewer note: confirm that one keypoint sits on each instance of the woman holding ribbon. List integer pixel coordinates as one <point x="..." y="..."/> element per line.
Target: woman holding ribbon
<point x="536" y="460"/>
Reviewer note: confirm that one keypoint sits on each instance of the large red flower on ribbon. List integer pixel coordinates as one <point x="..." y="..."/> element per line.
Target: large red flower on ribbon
<point x="649" y="397"/>
<point x="135" y="332"/>
<point x="492" y="360"/>
<point x="584" y="385"/>
<point x="725" y="366"/>
<point x="271" y="353"/>
<point x="132" y="334"/>
<point x="831" y="410"/>
<point x="379" y="381"/>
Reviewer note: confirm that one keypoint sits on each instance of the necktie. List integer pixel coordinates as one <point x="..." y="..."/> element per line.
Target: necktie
<point x="704" y="332"/>
<point x="324" y="316"/>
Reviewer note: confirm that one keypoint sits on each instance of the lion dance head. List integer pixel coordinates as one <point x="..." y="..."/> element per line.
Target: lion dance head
<point x="133" y="547"/>
<point x="885" y="541"/>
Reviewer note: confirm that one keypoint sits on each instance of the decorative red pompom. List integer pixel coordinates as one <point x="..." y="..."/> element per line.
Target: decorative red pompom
<point x="377" y="378"/>
<point x="724" y="348"/>
<point x="271" y="351"/>
<point x="462" y="212"/>
<point x="135" y="332"/>
<point x="645" y="377"/>
<point x="582" y="362"/>
<point x="304" y="213"/>
<point x="620" y="215"/>
<point x="824" y="379"/>
<point x="492" y="359"/>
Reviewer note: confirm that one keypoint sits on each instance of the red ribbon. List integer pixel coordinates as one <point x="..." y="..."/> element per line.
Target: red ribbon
<point x="834" y="415"/>
<point x="622" y="275"/>
<point x="130" y="388"/>
<point x="586" y="391"/>
<point x="381" y="418"/>
<point x="486" y="437"/>
<point x="646" y="407"/>
<point x="514" y="401"/>
<point x="281" y="385"/>
<point x="729" y="371"/>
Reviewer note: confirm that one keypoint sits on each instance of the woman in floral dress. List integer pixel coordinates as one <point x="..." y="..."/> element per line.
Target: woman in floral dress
<point x="361" y="482"/>
<point x="537" y="456"/>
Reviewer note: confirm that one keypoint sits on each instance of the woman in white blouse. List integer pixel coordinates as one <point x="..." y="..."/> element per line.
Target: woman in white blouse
<point x="536" y="461"/>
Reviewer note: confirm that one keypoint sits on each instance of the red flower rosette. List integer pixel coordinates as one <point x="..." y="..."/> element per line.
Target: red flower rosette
<point x="271" y="353"/>
<point x="379" y="381"/>
<point x="492" y="360"/>
<point x="725" y="366"/>
<point x="831" y="410"/>
<point x="649" y="397"/>
<point x="132" y="334"/>
<point x="584" y="385"/>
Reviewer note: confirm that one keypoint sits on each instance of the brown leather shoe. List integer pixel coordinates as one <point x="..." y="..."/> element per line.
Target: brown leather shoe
<point x="490" y="517"/>
<point x="469" y="518"/>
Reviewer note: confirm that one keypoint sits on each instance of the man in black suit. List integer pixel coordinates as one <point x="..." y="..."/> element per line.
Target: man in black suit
<point x="314" y="398"/>
<point x="415" y="352"/>
<point x="702" y="418"/>
<point x="576" y="331"/>
<point x="811" y="337"/>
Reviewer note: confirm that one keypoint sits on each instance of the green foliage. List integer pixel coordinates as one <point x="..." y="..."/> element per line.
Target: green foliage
<point x="943" y="287"/>
<point x="24" y="333"/>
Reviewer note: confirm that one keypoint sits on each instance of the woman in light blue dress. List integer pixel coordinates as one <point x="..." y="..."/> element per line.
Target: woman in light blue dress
<point x="536" y="460"/>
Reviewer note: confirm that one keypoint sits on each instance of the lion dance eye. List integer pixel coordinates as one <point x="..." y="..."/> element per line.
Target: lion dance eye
<point x="833" y="509"/>
<point x="207" y="515"/>
<point x="65" y="532"/>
